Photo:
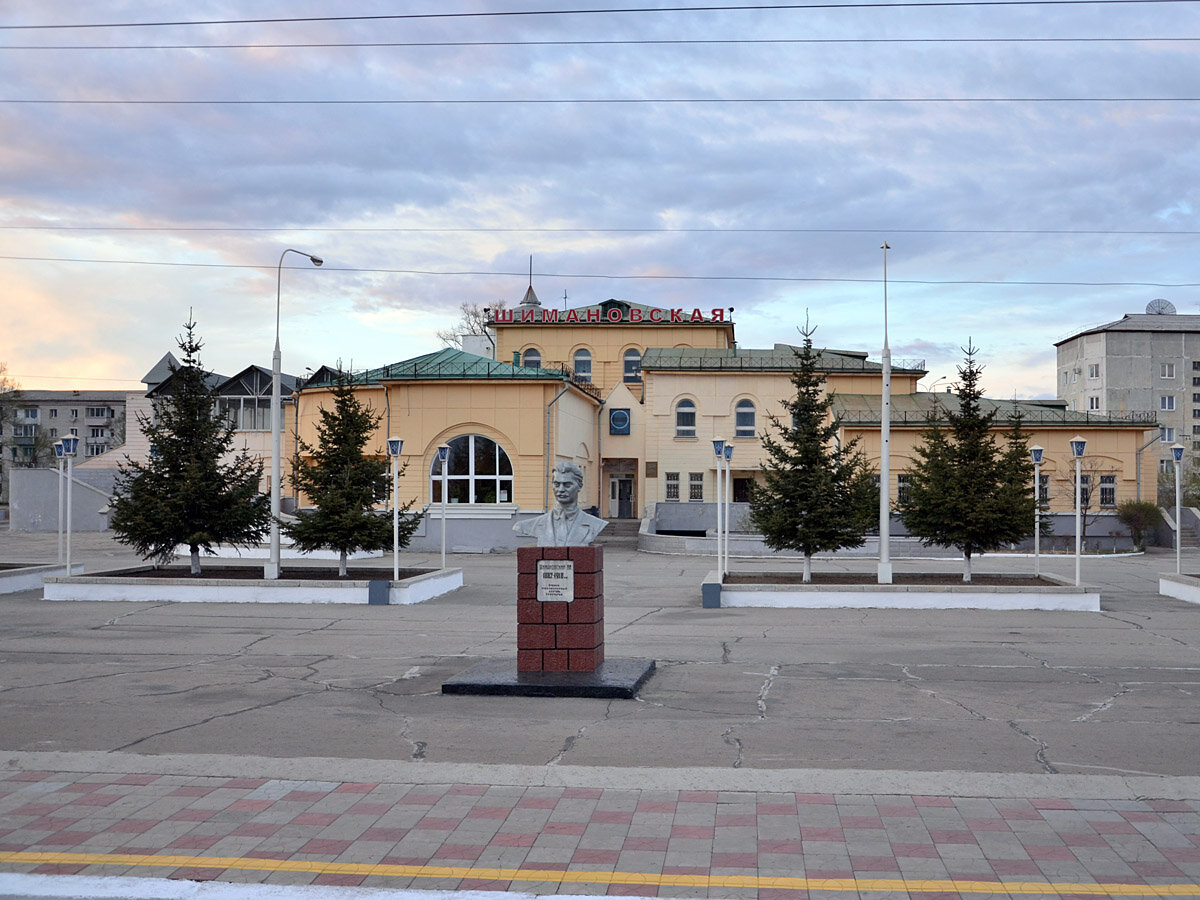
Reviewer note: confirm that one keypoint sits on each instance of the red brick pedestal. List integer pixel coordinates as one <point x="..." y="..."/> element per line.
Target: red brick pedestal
<point x="561" y="635"/>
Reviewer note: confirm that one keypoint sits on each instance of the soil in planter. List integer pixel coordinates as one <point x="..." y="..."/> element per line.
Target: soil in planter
<point x="864" y="579"/>
<point x="289" y="573"/>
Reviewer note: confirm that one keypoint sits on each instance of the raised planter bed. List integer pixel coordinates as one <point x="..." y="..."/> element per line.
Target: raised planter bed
<point x="1181" y="587"/>
<point x="16" y="577"/>
<point x="232" y="584"/>
<point x="998" y="592"/>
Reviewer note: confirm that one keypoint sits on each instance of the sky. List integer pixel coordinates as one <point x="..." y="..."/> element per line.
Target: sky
<point x="1033" y="167"/>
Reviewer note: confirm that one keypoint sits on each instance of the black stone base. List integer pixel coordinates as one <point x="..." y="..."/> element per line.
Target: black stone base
<point x="616" y="679"/>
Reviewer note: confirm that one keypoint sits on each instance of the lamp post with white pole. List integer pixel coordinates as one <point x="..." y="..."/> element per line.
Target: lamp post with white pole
<point x="885" y="433"/>
<point x="394" y="446"/>
<point x="70" y="445"/>
<point x="719" y="453"/>
<point x="729" y="492"/>
<point x="1078" y="445"/>
<point x="443" y="458"/>
<point x="1035" y="453"/>
<point x="272" y="567"/>
<point x="1177" y="456"/>
<point x="58" y="453"/>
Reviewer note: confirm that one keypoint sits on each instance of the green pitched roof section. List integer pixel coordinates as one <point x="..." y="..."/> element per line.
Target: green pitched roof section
<point x="781" y="358"/>
<point x="915" y="409"/>
<point x="457" y="365"/>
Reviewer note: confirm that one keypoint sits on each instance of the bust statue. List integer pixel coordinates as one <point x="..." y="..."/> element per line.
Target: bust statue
<point x="566" y="525"/>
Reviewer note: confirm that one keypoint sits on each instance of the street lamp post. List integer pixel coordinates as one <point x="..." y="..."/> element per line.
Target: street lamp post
<point x="729" y="492"/>
<point x="394" y="446"/>
<point x="1177" y="456"/>
<point x="719" y="453"/>
<point x="443" y="458"/>
<point x="1035" y="452"/>
<point x="70" y="444"/>
<point x="272" y="568"/>
<point x="1078" y="445"/>
<point x="58" y="452"/>
<point x="885" y="433"/>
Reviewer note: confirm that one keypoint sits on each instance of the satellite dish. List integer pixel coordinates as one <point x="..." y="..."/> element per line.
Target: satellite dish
<point x="1160" y="307"/>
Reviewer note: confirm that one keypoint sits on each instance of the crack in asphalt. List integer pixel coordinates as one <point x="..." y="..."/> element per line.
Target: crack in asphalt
<point x="1043" y="748"/>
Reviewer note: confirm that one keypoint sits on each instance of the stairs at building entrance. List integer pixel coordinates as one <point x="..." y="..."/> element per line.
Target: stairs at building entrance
<point x="620" y="533"/>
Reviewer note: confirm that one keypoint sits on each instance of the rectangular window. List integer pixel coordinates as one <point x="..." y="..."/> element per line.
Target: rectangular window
<point x="97" y="432"/>
<point x="695" y="486"/>
<point x="902" y="493"/>
<point x="75" y="414"/>
<point x="673" y="487"/>
<point x="97" y="412"/>
<point x="1043" y="489"/>
<point x="1166" y="370"/>
<point x="1196" y="365"/>
<point x="53" y="432"/>
<point x="1085" y="491"/>
<point x="75" y="432"/>
<point x="1108" y="491"/>
<point x="1196" y="429"/>
<point x="1093" y="370"/>
<point x="1165" y="467"/>
<point x="31" y="413"/>
<point x="1093" y="403"/>
<point x="1066" y="377"/>
<point x="96" y="449"/>
<point x="1165" y="434"/>
<point x="1166" y="403"/>
<point x="54" y="413"/>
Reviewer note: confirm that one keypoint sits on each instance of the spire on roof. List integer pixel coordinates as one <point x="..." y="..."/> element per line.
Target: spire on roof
<point x="530" y="299"/>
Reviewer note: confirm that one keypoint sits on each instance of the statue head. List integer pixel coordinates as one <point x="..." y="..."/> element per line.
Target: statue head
<point x="566" y="481"/>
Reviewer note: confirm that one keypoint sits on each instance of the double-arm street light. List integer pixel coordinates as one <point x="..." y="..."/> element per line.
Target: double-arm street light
<point x="1035" y="453"/>
<point x="272" y="569"/>
<point x="394" y="446"/>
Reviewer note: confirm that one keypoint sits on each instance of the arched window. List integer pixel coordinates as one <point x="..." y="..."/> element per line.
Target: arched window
<point x="532" y="358"/>
<point x="633" y="365"/>
<point x="685" y="419"/>
<point x="583" y="365"/>
<point x="477" y="471"/>
<point x="743" y="416"/>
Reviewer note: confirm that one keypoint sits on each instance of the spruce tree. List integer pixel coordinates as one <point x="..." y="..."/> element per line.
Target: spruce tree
<point x="964" y="489"/>
<point x="817" y="494"/>
<point x="344" y="485"/>
<point x="186" y="493"/>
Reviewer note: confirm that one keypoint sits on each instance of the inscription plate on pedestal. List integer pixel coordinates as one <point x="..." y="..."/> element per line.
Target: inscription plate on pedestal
<point x="556" y="581"/>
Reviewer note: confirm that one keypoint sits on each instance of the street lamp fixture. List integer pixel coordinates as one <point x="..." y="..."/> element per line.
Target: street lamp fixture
<point x="394" y="446"/>
<point x="58" y="453"/>
<point x="719" y="452"/>
<point x="443" y="458"/>
<point x="1177" y="457"/>
<point x="70" y="444"/>
<point x="1035" y="453"/>
<point x="1078" y="445"/>
<point x="272" y="568"/>
<point x="728" y="492"/>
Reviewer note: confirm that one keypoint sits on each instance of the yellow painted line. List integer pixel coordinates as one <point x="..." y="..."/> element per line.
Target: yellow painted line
<point x="558" y="876"/>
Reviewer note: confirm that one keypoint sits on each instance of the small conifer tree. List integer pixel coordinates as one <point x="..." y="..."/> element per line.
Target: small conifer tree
<point x="964" y="490"/>
<point x="344" y="485"/>
<point x="186" y="494"/>
<point x="817" y="494"/>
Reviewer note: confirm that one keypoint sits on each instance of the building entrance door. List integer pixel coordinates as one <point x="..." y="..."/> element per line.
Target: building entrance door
<point x="620" y="496"/>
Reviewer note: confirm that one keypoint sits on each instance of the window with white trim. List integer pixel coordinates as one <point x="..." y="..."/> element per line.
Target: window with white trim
<point x="685" y="419"/>
<point x="1166" y="370"/>
<point x="633" y="366"/>
<point x="673" y="487"/>
<point x="695" y="486"/>
<point x="582" y="363"/>
<point x="1108" y="491"/>
<point x="1093" y="370"/>
<point x="1166" y="434"/>
<point x="1093" y="403"/>
<point x="743" y="418"/>
<point x="531" y="358"/>
<point x="477" y="471"/>
<point x="1166" y="403"/>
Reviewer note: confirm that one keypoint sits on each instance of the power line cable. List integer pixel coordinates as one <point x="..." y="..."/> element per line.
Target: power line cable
<point x="587" y="101"/>
<point x="327" y="45"/>
<point x="588" y="11"/>
<point x="221" y="229"/>
<point x="789" y="279"/>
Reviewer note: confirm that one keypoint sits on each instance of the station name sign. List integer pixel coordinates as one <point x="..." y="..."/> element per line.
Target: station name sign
<point x="597" y="316"/>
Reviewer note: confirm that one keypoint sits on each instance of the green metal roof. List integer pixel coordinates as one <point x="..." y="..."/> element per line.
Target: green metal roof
<point x="451" y="364"/>
<point x="915" y="409"/>
<point x="781" y="358"/>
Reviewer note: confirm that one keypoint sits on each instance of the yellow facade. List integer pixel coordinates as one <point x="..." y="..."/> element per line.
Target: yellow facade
<point x="626" y="427"/>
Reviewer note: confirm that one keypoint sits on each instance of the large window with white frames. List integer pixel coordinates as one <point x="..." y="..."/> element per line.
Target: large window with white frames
<point x="477" y="471"/>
